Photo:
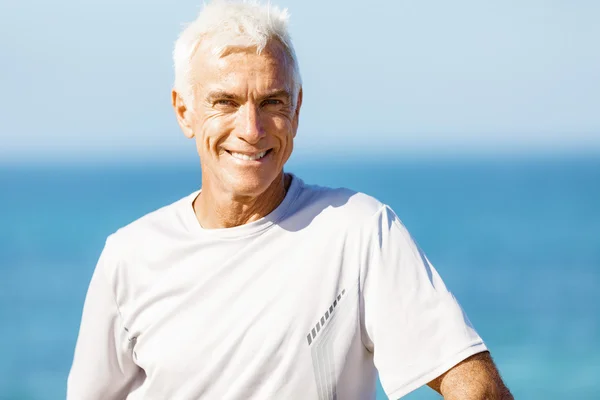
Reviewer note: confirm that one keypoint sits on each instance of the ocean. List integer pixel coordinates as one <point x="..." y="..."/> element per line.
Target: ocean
<point x="516" y="240"/>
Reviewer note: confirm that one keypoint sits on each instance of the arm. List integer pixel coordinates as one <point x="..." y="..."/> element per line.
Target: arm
<point x="475" y="378"/>
<point x="414" y="326"/>
<point x="103" y="368"/>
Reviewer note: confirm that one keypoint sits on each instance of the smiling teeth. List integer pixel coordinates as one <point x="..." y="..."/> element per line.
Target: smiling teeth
<point x="247" y="157"/>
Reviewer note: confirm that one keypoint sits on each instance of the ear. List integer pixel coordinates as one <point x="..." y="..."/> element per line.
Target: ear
<point x="183" y="114"/>
<point x="297" y="111"/>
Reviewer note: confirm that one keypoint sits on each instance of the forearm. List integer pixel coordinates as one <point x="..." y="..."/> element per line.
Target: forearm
<point x="476" y="378"/>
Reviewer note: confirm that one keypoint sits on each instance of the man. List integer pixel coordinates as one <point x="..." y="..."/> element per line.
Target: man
<point x="259" y="285"/>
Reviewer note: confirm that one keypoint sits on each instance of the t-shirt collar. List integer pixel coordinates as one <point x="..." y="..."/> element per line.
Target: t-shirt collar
<point x="251" y="228"/>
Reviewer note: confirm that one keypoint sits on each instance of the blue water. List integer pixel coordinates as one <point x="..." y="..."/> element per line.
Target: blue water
<point x="517" y="241"/>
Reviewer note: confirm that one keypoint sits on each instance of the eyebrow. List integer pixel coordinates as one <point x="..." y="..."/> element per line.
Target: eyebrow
<point x="221" y="94"/>
<point x="277" y="93"/>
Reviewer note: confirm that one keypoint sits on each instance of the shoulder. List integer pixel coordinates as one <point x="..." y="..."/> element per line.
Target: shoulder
<point x="339" y="203"/>
<point x="151" y="229"/>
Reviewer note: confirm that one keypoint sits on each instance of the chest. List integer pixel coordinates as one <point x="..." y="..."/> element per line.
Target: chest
<point x="258" y="306"/>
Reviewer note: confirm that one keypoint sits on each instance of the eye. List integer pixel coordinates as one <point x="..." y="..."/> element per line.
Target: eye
<point x="271" y="102"/>
<point x="225" y="103"/>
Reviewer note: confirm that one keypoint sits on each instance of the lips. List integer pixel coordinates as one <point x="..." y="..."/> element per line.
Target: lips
<point x="249" y="156"/>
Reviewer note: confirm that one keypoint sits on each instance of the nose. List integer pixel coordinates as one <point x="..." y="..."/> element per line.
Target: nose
<point x="250" y="128"/>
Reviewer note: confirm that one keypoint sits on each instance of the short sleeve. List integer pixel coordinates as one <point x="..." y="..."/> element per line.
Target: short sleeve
<point x="413" y="325"/>
<point x="102" y="364"/>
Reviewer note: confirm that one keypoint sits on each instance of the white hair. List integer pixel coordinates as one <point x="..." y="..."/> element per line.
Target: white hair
<point x="232" y="24"/>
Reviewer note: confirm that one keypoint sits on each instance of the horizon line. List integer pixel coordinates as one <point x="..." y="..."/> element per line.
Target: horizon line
<point x="302" y="156"/>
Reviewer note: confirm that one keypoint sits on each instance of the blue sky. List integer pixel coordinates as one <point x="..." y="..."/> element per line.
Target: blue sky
<point x="88" y="80"/>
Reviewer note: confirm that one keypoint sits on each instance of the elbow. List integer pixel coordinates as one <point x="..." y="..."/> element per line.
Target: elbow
<point x="505" y="394"/>
<point x="498" y="391"/>
<point x="490" y="391"/>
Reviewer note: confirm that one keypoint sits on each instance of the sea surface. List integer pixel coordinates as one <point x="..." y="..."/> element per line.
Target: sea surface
<point x="516" y="240"/>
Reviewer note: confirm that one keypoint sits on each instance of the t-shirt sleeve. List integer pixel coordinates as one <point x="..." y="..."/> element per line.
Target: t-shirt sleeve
<point x="102" y="364"/>
<point x="413" y="325"/>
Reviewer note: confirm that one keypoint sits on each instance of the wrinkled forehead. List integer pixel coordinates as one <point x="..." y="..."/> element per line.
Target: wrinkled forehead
<point x="213" y="64"/>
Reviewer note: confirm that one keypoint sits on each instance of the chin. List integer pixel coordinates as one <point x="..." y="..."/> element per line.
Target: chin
<point x="251" y="184"/>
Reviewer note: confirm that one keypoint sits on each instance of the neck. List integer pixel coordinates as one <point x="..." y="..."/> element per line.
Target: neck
<point x="215" y="209"/>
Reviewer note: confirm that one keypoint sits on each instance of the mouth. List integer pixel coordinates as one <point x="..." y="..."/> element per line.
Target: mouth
<point x="249" y="156"/>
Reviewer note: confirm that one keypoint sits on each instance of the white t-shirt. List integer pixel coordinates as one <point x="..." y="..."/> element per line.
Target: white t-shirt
<point x="309" y="302"/>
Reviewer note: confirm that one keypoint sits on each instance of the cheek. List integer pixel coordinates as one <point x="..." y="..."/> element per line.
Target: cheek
<point x="284" y="132"/>
<point x="280" y="125"/>
<point x="213" y="131"/>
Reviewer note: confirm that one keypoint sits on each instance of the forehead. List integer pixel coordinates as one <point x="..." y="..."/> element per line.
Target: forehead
<point x="242" y="68"/>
